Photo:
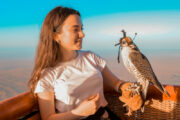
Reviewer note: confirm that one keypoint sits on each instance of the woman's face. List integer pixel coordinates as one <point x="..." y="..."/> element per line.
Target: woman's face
<point x="71" y="35"/>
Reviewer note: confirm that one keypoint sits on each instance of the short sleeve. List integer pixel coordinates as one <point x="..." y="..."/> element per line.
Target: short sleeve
<point x="45" y="83"/>
<point x="100" y="62"/>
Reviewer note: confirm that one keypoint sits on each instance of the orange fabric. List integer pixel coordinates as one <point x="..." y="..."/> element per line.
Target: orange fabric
<point x="174" y="92"/>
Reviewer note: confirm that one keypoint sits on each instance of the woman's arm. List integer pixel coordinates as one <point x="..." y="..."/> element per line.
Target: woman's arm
<point x="47" y="108"/>
<point x="110" y="79"/>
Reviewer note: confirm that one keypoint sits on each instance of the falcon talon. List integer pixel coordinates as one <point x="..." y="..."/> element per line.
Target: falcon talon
<point x="125" y="105"/>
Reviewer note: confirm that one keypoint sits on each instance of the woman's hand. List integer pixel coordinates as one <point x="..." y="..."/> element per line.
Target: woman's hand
<point x="87" y="107"/>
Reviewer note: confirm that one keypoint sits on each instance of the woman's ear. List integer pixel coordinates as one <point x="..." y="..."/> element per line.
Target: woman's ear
<point x="56" y="37"/>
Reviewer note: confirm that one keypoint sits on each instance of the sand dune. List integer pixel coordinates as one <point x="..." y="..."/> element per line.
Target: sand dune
<point x="14" y="75"/>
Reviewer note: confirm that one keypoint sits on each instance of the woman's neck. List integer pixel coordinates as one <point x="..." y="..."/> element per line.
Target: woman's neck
<point x="68" y="55"/>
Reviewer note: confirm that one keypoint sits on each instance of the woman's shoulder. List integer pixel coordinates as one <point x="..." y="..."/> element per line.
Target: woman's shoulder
<point x="90" y="55"/>
<point x="86" y="53"/>
<point x="94" y="58"/>
<point x="49" y="71"/>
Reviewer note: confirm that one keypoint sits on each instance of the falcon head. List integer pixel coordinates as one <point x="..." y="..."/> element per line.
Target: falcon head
<point x="126" y="41"/>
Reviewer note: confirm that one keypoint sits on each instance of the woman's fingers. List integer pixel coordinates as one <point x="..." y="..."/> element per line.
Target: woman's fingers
<point x="96" y="98"/>
<point x="91" y="97"/>
<point x="89" y="106"/>
<point x="96" y="101"/>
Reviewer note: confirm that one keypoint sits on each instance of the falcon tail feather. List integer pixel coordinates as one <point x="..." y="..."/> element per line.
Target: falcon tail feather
<point x="162" y="89"/>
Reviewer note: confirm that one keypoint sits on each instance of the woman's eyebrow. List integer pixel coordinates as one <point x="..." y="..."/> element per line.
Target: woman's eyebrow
<point x="77" y="26"/>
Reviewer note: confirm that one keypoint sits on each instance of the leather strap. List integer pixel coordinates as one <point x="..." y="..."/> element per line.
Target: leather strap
<point x="119" y="88"/>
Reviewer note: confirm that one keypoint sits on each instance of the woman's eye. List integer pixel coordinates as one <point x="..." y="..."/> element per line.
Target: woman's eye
<point x="76" y="30"/>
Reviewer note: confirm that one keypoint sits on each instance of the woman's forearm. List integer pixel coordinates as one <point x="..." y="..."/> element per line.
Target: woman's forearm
<point x="111" y="79"/>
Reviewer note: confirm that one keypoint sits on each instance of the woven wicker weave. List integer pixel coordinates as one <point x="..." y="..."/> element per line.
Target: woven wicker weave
<point x="158" y="106"/>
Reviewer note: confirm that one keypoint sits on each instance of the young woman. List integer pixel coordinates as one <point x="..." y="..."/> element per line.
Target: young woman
<point x="68" y="82"/>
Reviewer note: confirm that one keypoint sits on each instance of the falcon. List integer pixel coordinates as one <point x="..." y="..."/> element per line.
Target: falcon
<point x="139" y="66"/>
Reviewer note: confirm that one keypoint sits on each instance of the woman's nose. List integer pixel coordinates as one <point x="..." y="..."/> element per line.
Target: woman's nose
<point x="81" y="34"/>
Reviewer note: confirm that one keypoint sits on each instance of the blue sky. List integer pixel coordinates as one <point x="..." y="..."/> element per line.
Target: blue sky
<point x="155" y="21"/>
<point x="23" y="12"/>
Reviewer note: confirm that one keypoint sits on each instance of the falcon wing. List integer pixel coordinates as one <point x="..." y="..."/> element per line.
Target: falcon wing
<point x="143" y="67"/>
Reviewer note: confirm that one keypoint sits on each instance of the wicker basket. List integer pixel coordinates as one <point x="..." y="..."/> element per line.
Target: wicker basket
<point x="158" y="106"/>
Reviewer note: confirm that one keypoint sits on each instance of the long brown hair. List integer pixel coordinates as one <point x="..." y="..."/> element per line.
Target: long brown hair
<point x="47" y="54"/>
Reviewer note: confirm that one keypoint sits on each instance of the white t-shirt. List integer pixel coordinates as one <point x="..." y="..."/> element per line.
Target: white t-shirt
<point x="74" y="81"/>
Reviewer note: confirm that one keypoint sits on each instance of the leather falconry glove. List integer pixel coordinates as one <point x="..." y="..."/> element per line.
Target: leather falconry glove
<point x="131" y="97"/>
